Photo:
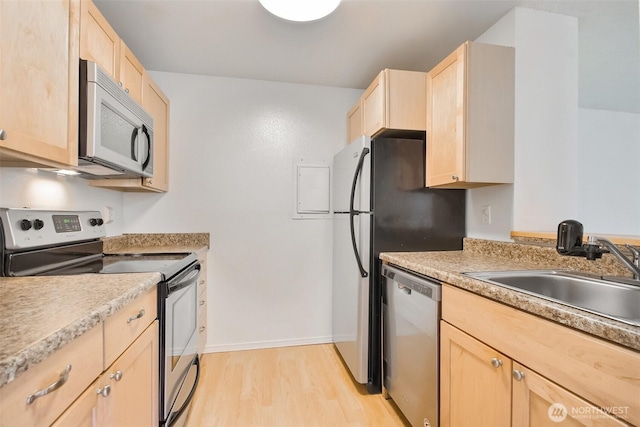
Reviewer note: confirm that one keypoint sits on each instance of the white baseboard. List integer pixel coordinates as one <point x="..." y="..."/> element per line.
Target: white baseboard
<point x="219" y="348"/>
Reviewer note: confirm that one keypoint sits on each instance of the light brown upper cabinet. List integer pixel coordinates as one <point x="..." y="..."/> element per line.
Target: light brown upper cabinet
<point x="39" y="91"/>
<point x="396" y="99"/>
<point x="354" y="122"/>
<point x="470" y="117"/>
<point x="101" y="44"/>
<point x="155" y="102"/>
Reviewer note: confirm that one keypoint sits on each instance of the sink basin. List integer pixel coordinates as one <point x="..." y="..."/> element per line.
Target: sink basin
<point x="614" y="300"/>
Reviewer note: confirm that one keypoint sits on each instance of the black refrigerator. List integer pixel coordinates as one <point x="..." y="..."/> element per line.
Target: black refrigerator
<point x="380" y="204"/>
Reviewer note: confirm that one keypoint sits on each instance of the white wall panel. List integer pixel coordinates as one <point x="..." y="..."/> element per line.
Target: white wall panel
<point x="232" y="146"/>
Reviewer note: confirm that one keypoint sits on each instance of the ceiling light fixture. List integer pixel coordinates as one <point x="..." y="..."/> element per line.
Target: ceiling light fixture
<point x="300" y="10"/>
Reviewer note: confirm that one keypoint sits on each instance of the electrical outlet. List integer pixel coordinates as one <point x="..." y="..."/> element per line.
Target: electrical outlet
<point x="485" y="212"/>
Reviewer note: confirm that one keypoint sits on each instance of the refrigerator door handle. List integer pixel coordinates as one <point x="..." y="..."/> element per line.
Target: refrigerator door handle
<point x="353" y="212"/>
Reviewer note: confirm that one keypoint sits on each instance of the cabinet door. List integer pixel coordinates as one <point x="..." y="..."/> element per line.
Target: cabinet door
<point x="83" y="412"/>
<point x="373" y="106"/>
<point x="475" y="382"/>
<point x="354" y="122"/>
<point x="131" y="72"/>
<point x="133" y="400"/>
<point x="537" y="402"/>
<point x="445" y="120"/>
<point x="39" y="75"/>
<point x="156" y="103"/>
<point x="98" y="40"/>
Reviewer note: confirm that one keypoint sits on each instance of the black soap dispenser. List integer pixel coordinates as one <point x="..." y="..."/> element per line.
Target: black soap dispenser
<point x="569" y="241"/>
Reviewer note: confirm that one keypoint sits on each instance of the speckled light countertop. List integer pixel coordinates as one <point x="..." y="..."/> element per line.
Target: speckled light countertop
<point x="479" y="255"/>
<point x="40" y="315"/>
<point x="156" y="243"/>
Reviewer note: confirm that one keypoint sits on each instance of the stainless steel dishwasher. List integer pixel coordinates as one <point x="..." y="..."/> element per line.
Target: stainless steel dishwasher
<point x="411" y="344"/>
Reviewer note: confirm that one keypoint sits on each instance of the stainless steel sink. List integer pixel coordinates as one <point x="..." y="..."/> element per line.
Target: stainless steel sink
<point x="614" y="300"/>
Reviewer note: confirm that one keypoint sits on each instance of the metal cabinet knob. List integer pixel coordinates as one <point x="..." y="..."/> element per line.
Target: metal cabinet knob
<point x="202" y="302"/>
<point x="518" y="375"/>
<point x="117" y="375"/>
<point x="202" y="329"/>
<point x="104" y="391"/>
<point x="3" y="134"/>
<point x="126" y="90"/>
<point x="496" y="363"/>
<point x="454" y="177"/>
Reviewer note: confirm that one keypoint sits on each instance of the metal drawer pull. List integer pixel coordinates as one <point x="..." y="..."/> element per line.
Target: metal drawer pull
<point x="117" y="376"/>
<point x="64" y="376"/>
<point x="3" y="134"/>
<point x="137" y="316"/>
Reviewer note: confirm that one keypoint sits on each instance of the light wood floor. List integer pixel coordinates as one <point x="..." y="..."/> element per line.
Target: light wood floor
<point x="290" y="386"/>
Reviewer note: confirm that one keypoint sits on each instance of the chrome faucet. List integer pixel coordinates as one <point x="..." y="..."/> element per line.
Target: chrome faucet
<point x="594" y="243"/>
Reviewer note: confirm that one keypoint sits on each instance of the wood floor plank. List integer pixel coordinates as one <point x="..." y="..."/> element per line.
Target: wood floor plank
<point x="305" y="386"/>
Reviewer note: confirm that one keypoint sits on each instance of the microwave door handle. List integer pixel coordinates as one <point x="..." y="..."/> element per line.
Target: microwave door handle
<point x="148" y="159"/>
<point x="134" y="139"/>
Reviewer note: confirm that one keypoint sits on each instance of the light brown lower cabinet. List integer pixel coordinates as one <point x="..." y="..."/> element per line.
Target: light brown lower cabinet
<point x="481" y="386"/>
<point x="126" y="394"/>
<point x="500" y="366"/>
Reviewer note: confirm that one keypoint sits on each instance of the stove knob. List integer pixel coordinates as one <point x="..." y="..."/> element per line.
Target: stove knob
<point x="93" y="222"/>
<point x="100" y="221"/>
<point x="38" y="224"/>
<point x="25" y="224"/>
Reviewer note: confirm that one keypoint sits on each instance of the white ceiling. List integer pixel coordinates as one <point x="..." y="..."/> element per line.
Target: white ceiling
<point x="238" y="38"/>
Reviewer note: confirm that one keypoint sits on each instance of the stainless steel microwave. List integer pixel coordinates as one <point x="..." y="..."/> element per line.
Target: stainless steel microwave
<point x="116" y="133"/>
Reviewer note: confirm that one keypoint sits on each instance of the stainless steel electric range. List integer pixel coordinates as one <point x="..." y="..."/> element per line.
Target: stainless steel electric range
<point x="54" y="243"/>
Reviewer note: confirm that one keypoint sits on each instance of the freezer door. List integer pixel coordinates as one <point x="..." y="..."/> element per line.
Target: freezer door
<point x="345" y="165"/>
<point x="351" y="293"/>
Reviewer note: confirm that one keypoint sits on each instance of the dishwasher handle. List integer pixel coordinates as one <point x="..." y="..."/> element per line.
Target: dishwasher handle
<point x="428" y="287"/>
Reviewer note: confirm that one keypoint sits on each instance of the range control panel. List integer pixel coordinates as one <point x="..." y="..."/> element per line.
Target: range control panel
<point x="30" y="228"/>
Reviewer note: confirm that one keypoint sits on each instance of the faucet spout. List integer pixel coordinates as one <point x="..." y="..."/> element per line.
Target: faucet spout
<point x="631" y="265"/>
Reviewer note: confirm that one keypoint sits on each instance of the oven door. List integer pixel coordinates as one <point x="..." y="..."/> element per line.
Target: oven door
<point x="179" y="311"/>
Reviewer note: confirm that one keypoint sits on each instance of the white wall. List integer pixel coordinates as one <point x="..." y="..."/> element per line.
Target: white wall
<point x="570" y="162"/>
<point x="609" y="159"/>
<point x="232" y="146"/>
<point x="45" y="190"/>
<point x="546" y="116"/>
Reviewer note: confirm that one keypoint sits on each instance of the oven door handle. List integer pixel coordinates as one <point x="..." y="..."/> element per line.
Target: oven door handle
<point x="175" y="415"/>
<point x="188" y="280"/>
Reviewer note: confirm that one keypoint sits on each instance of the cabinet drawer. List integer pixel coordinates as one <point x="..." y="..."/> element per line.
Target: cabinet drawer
<point x="121" y="329"/>
<point x="85" y="358"/>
